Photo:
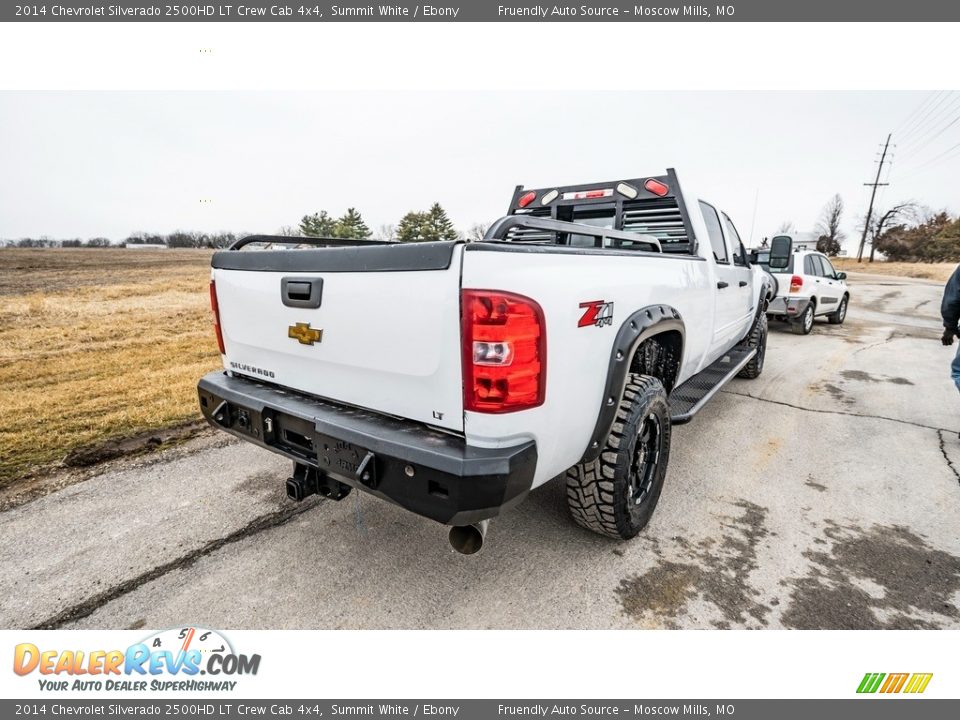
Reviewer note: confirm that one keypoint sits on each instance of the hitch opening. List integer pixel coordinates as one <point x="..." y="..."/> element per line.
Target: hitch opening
<point x="307" y="481"/>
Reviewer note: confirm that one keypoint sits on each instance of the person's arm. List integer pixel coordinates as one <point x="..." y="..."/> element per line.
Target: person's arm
<point x="950" y="307"/>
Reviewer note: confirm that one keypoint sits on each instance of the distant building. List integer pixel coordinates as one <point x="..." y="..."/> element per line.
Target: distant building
<point x="146" y="246"/>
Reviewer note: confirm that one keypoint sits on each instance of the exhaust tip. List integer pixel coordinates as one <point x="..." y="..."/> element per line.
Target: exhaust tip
<point x="468" y="539"/>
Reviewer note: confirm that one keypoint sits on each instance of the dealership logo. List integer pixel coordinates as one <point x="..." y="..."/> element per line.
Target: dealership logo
<point x="913" y="683"/>
<point x="168" y="660"/>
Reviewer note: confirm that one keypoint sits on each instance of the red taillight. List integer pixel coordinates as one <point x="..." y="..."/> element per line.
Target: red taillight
<point x="215" y="308"/>
<point x="796" y="282"/>
<point x="504" y="352"/>
<point x="656" y="187"/>
<point x="527" y="198"/>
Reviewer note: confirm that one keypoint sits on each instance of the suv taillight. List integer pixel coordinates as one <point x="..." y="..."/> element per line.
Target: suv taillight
<point x="215" y="308"/>
<point x="504" y="351"/>
<point x="796" y="282"/>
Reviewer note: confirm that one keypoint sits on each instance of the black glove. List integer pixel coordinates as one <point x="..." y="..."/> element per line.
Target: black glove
<point x="948" y="334"/>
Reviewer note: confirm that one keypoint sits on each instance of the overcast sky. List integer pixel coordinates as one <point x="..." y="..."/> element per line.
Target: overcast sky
<point x="107" y="164"/>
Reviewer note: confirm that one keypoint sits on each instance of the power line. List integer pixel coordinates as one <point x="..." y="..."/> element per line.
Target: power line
<point x="933" y="115"/>
<point x="909" y="118"/>
<point x="939" y="133"/>
<point x="933" y="162"/>
<point x="934" y="130"/>
<point x="914" y="127"/>
<point x="932" y="122"/>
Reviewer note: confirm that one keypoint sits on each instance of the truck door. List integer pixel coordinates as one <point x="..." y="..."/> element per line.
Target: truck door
<point x="728" y="314"/>
<point x="742" y="274"/>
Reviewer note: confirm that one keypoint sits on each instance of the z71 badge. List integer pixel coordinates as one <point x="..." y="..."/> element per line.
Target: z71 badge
<point x="596" y="313"/>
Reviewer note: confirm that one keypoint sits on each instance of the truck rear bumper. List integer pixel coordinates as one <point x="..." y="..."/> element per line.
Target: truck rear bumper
<point x="426" y="471"/>
<point x="790" y="307"/>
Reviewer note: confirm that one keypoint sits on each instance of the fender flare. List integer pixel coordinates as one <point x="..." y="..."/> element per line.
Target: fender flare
<point x="641" y="325"/>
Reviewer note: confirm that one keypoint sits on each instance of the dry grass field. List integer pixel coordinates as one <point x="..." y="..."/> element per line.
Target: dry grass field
<point x="926" y="271"/>
<point x="96" y="345"/>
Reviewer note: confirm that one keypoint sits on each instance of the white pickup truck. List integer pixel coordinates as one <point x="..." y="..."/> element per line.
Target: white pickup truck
<point x="451" y="378"/>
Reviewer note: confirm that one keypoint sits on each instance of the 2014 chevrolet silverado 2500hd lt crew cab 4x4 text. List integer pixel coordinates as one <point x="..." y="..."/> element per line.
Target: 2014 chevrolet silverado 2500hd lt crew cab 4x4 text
<point x="451" y="378"/>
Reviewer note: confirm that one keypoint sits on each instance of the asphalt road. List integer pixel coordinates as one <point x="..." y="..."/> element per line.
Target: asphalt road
<point x="824" y="494"/>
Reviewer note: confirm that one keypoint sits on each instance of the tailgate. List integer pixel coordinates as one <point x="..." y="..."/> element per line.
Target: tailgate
<point x="375" y="327"/>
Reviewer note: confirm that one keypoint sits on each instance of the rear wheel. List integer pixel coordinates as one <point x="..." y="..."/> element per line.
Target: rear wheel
<point x="803" y="324"/>
<point x="616" y="494"/>
<point x="839" y="315"/>
<point x="758" y="341"/>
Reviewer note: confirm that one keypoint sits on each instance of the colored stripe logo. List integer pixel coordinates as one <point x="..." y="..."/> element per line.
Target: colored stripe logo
<point x="913" y="683"/>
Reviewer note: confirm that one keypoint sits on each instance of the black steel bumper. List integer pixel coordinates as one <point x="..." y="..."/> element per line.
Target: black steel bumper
<point x="428" y="472"/>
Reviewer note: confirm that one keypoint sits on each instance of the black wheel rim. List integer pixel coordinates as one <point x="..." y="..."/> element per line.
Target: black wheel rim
<point x="646" y="458"/>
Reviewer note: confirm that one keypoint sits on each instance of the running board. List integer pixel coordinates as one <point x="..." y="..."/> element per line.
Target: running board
<point x="686" y="400"/>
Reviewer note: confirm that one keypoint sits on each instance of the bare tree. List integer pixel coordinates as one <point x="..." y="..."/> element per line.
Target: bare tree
<point x="386" y="232"/>
<point x="477" y="232"/>
<point x="902" y="211"/>
<point x="786" y="226"/>
<point x="289" y="231"/>
<point x="829" y="234"/>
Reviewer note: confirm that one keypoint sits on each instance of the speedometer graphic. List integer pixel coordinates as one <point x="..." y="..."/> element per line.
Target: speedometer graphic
<point x="184" y="639"/>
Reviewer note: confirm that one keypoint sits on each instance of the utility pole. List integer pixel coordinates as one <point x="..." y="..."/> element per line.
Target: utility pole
<point x="873" y="194"/>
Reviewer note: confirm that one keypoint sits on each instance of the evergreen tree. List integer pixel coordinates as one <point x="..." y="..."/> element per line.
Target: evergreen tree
<point x="351" y="225"/>
<point x="411" y="228"/>
<point x="439" y="226"/>
<point x="318" y="225"/>
<point x="432" y="225"/>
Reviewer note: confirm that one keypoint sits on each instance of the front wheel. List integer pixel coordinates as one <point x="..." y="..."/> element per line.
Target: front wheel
<point x="616" y="494"/>
<point x="839" y="315"/>
<point x="803" y="324"/>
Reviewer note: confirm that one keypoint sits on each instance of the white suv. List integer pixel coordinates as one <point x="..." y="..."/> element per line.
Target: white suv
<point x="807" y="287"/>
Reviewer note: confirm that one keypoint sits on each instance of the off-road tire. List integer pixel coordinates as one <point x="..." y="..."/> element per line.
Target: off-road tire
<point x="603" y="494"/>
<point x="800" y="326"/>
<point x="840" y="314"/>
<point x="756" y="340"/>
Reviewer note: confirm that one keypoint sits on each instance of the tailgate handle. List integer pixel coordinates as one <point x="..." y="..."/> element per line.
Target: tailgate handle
<point x="300" y="292"/>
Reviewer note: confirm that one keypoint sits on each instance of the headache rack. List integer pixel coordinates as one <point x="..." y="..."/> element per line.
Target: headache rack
<point x="650" y="206"/>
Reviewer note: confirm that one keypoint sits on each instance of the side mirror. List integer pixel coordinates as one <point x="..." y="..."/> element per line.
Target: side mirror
<point x="841" y="276"/>
<point x="781" y="247"/>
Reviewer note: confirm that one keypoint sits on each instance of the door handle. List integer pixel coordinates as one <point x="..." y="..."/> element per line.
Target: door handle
<point x="721" y="285"/>
<point x="743" y="283"/>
